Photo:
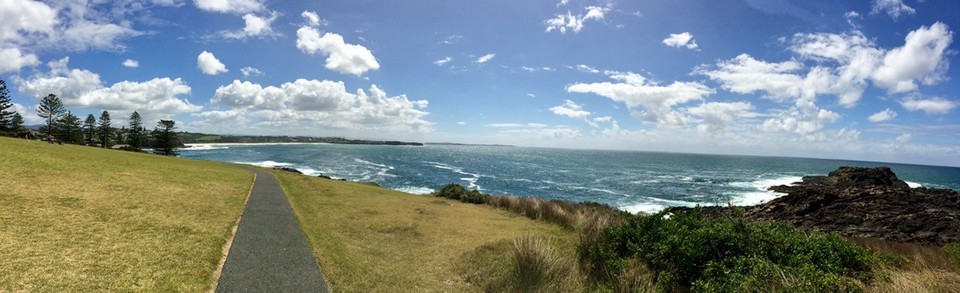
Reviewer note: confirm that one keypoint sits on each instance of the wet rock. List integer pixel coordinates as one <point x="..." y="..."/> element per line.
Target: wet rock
<point x="288" y="169"/>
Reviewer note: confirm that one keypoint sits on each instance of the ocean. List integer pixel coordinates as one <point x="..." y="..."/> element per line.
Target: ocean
<point x="630" y="180"/>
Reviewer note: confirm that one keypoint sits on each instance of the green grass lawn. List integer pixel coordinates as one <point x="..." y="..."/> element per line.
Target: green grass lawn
<point x="370" y="239"/>
<point x="80" y="219"/>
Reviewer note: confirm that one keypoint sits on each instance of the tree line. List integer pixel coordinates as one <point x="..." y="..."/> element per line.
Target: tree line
<point x="64" y="127"/>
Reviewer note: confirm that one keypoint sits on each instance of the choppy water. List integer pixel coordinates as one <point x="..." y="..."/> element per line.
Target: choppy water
<point x="632" y="181"/>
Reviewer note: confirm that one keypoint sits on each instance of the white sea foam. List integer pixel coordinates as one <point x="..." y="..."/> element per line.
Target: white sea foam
<point x="415" y="190"/>
<point x="203" y="147"/>
<point x="913" y="184"/>
<point x="382" y="170"/>
<point x="266" y="164"/>
<point x="649" y="208"/>
<point x="471" y="181"/>
<point x="760" y="193"/>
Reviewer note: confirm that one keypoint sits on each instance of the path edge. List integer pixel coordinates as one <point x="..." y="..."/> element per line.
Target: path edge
<point x="225" y="250"/>
<point x="296" y="216"/>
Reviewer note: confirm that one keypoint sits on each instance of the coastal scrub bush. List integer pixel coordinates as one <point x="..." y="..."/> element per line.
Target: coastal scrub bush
<point x="687" y="251"/>
<point x="537" y="266"/>
<point x="952" y="251"/>
<point x="458" y="192"/>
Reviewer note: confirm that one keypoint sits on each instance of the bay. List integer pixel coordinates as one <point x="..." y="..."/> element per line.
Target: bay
<point x="630" y="180"/>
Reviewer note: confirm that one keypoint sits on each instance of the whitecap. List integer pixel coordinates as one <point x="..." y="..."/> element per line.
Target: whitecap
<point x="415" y="190"/>
<point x="913" y="184"/>
<point x="649" y="208"/>
<point x="203" y="147"/>
<point x="266" y="164"/>
<point x="759" y="190"/>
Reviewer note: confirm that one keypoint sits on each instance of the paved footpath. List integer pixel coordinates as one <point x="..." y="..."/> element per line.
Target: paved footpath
<point x="269" y="252"/>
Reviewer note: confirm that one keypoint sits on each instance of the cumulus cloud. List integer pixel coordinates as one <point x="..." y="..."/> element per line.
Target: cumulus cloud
<point x="230" y="6"/>
<point x="587" y="68"/>
<point x="443" y="61"/>
<point x="684" y="39"/>
<point x="323" y="103"/>
<point x="845" y="65"/>
<point x="11" y="59"/>
<point x="934" y="105"/>
<point x="341" y="57"/>
<point x="882" y="116"/>
<point x="130" y="63"/>
<point x="920" y="59"/>
<point x="312" y="18"/>
<point x="209" y="64"/>
<point x="893" y="8"/>
<point x="84" y="89"/>
<point x="655" y="100"/>
<point x="21" y="18"/>
<point x="250" y="71"/>
<point x="538" y="130"/>
<point x="570" y="109"/>
<point x="485" y="58"/>
<point x="68" y="25"/>
<point x="569" y="21"/>
<point x="717" y="115"/>
<point x="255" y="26"/>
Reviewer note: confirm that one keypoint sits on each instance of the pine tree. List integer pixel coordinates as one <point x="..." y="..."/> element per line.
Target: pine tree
<point x="89" y="130"/>
<point x="16" y="123"/>
<point x="104" y="131"/>
<point x="165" y="140"/>
<point x="51" y="108"/>
<point x="69" y="129"/>
<point x="136" y="134"/>
<point x="5" y="114"/>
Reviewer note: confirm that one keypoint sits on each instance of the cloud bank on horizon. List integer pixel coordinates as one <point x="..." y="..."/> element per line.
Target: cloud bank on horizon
<point x="866" y="80"/>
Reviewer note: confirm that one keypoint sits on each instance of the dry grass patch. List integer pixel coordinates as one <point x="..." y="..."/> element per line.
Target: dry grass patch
<point x="370" y="239"/>
<point x="920" y="268"/>
<point x="83" y="219"/>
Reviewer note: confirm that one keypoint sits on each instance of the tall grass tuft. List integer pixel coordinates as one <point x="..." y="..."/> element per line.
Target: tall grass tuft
<point x="538" y="267"/>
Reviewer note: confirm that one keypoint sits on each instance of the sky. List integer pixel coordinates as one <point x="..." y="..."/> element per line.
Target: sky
<point x="860" y="80"/>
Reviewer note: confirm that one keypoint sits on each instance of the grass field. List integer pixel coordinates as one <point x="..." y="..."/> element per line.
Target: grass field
<point x="370" y="239"/>
<point x="81" y="219"/>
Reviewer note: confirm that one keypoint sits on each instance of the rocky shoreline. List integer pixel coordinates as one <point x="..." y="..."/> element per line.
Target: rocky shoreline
<point x="866" y="203"/>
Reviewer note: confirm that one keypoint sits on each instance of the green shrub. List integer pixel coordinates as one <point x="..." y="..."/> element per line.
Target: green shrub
<point x="690" y="251"/>
<point x="952" y="251"/>
<point x="458" y="192"/>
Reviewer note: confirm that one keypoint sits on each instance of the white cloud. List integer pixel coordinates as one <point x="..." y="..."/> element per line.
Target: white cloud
<point x="570" y="109"/>
<point x="443" y="61"/>
<point x="587" y="69"/>
<point x="893" y="8"/>
<point x="130" y="63"/>
<point x="84" y="35"/>
<point x="324" y="104"/>
<point x="84" y="89"/>
<point x="11" y="59"/>
<point x="746" y="75"/>
<point x="564" y="22"/>
<point x="717" y="115"/>
<point x="250" y="71"/>
<point x="882" y="116"/>
<point x="934" y="105"/>
<point x="517" y="125"/>
<point x="904" y="138"/>
<point x="312" y="18"/>
<point x="684" y="39"/>
<point x="209" y="64"/>
<point x="26" y="16"/>
<point x="451" y="39"/>
<point x="230" y="6"/>
<point x="255" y="26"/>
<point x="485" y="58"/>
<point x="341" y="57"/>
<point x="531" y="95"/>
<point x="461" y="123"/>
<point x="657" y="101"/>
<point x="920" y="59"/>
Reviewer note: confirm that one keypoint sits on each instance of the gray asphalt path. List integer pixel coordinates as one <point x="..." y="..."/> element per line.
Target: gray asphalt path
<point x="269" y="252"/>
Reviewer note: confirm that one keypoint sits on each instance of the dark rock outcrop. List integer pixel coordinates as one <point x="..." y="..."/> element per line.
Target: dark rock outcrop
<point x="288" y="169"/>
<point x="866" y="202"/>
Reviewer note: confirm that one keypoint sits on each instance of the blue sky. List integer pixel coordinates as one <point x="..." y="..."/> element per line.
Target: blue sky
<point x="866" y="80"/>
